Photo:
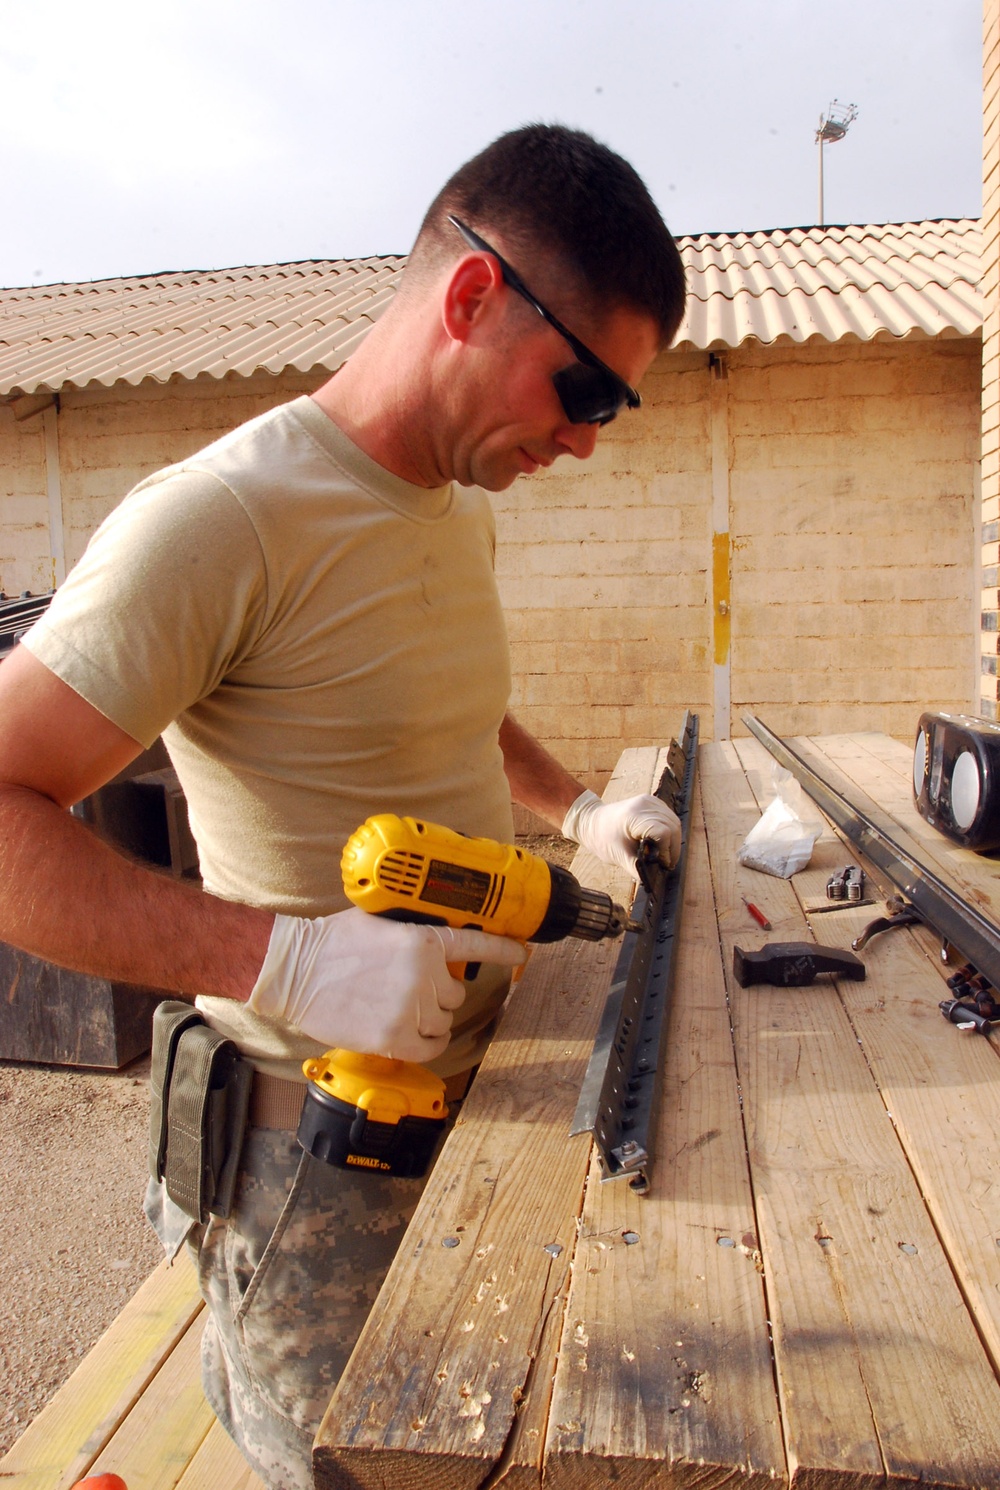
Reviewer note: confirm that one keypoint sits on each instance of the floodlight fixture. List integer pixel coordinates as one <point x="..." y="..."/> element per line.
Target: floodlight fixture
<point x="833" y="126"/>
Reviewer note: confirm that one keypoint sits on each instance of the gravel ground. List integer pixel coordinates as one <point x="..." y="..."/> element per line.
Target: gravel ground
<point x="75" y="1245"/>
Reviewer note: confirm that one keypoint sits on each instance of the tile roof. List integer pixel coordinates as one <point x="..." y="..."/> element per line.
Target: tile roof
<point x="894" y="279"/>
<point x="272" y="318"/>
<point x="890" y="280"/>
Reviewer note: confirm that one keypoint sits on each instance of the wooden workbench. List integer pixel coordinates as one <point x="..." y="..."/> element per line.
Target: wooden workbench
<point x="810" y="1295"/>
<point x="811" y="1292"/>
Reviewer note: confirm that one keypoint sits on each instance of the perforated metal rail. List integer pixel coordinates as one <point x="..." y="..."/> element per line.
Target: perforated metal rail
<point x="619" y="1093"/>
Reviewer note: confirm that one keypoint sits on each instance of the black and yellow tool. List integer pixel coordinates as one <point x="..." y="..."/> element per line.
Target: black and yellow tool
<point x="372" y="1112"/>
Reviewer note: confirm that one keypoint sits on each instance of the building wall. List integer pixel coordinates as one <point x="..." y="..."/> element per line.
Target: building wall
<point x="108" y="442"/>
<point x="108" y="439"/>
<point x="788" y="530"/>
<point x="837" y="482"/>
<point x="989" y="635"/>
<point x="854" y="583"/>
<point x="25" y="562"/>
<point x="604" y="571"/>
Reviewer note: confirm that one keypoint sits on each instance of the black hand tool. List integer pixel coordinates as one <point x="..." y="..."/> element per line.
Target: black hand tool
<point x="794" y="964"/>
<point x="899" y="914"/>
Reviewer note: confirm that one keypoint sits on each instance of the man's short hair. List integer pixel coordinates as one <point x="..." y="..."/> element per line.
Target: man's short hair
<point x="549" y="190"/>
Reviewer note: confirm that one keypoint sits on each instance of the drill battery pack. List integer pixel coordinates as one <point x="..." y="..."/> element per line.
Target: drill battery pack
<point x="372" y="1112"/>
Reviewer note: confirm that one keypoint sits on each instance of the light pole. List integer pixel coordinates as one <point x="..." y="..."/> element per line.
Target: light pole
<point x="839" y="118"/>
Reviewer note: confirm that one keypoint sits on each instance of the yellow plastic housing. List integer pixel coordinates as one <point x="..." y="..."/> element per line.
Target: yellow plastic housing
<point x="385" y="1089"/>
<point x="410" y="867"/>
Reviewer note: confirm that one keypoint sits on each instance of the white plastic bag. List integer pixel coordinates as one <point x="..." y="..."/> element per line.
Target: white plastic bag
<point x="783" y="839"/>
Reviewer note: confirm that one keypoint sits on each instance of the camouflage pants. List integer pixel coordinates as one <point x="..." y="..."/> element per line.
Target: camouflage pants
<point x="289" y="1279"/>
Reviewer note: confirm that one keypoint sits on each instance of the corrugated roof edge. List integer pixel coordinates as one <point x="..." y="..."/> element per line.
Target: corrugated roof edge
<point x="116" y="279"/>
<point x="827" y="227"/>
<point x="797" y="285"/>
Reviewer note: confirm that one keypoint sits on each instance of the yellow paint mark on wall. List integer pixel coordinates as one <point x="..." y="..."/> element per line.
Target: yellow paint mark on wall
<point x="721" y="618"/>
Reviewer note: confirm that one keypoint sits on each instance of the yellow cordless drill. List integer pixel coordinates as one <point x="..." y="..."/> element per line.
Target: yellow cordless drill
<point x="372" y="1112"/>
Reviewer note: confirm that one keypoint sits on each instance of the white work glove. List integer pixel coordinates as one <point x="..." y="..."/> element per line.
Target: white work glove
<point x="365" y="983"/>
<point x="613" y="831"/>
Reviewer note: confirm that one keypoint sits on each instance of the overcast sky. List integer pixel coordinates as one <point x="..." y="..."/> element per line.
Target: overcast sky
<point x="196" y="134"/>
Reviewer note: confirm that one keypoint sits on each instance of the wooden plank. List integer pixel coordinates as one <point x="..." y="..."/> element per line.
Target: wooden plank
<point x="882" y="769"/>
<point x="895" y="754"/>
<point x="974" y="876"/>
<point x="877" y="775"/>
<point x="829" y="855"/>
<point x="943" y="1091"/>
<point x="732" y="880"/>
<point x="865" y="1309"/>
<point x="65" y="1439"/>
<point x="155" y="1443"/>
<point x="451" y="1375"/>
<point x="219" y="1465"/>
<point x="665" y="1364"/>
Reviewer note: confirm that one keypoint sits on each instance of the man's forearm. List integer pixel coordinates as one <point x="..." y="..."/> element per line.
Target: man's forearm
<point x="70" y="898"/>
<point x="537" y="780"/>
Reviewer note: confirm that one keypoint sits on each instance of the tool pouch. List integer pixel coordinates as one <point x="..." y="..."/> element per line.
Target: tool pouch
<point x="200" y="1097"/>
<point x="170" y="1020"/>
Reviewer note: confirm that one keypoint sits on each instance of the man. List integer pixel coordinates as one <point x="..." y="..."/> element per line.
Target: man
<point x="306" y="610"/>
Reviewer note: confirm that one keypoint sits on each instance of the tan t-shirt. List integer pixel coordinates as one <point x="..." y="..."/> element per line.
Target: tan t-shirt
<point x="317" y="640"/>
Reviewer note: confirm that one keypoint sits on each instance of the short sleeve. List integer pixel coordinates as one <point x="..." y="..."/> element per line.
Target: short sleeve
<point x="170" y="594"/>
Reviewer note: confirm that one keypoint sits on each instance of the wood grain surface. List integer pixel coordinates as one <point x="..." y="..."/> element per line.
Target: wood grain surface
<point x="451" y="1377"/>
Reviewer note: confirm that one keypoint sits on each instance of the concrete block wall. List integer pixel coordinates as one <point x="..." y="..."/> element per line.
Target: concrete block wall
<point x="852" y="521"/>
<point x="989" y="633"/>
<point x="110" y="441"/>
<point x="790" y="532"/>
<point x="849" y="522"/>
<point x="25" y="556"/>
<point x="107" y="440"/>
<point x="604" y="571"/>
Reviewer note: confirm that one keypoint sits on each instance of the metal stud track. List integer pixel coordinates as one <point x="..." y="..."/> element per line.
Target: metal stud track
<point x="619" y="1093"/>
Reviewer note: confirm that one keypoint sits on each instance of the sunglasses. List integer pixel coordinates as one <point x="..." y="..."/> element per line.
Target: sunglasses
<point x="589" y="390"/>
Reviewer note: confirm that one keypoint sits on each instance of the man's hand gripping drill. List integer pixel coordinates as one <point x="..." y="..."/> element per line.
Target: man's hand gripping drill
<point x="370" y="984"/>
<point x="383" y="987"/>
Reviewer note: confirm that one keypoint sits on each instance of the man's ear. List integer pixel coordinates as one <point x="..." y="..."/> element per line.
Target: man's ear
<point x="473" y="293"/>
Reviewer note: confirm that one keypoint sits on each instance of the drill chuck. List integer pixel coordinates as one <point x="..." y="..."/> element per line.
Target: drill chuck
<point x="574" y="910"/>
